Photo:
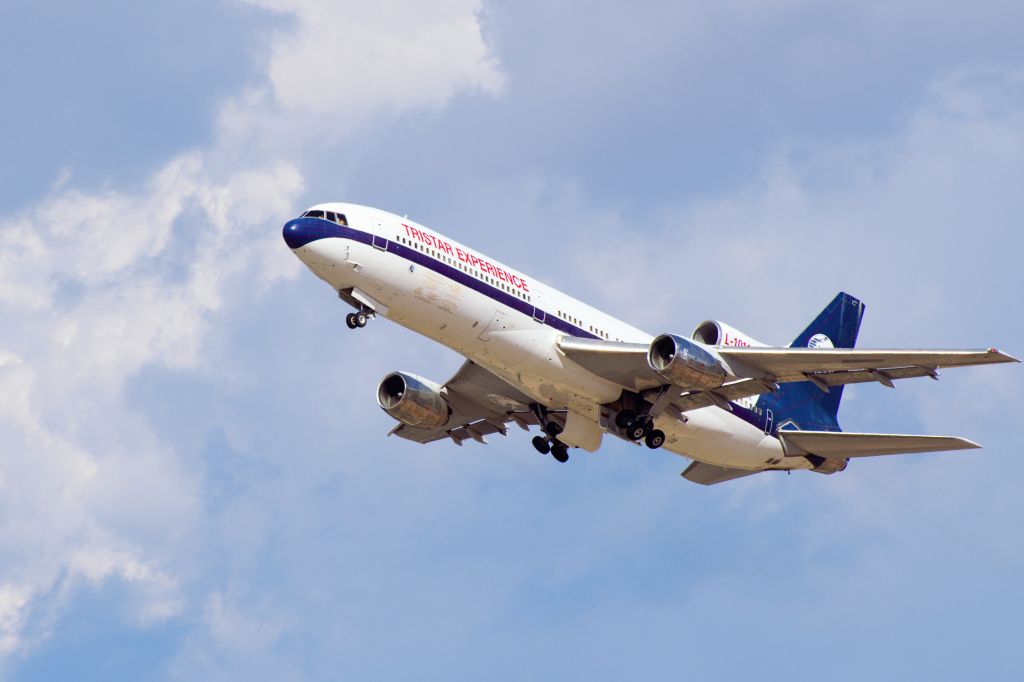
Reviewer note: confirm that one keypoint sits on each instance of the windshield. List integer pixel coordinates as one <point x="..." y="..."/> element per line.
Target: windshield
<point x="338" y="218"/>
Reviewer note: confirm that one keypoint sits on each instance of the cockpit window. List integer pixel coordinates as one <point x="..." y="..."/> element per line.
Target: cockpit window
<point x="327" y="215"/>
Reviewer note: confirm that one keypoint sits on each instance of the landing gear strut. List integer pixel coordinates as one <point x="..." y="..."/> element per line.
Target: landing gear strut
<point x="550" y="443"/>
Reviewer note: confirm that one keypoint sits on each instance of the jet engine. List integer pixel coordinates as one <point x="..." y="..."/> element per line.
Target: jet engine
<point x="412" y="400"/>
<point x="686" y="363"/>
<point x="715" y="333"/>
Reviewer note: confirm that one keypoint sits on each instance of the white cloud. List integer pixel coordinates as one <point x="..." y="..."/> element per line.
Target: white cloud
<point x="98" y="285"/>
<point x="88" y="492"/>
<point x="342" y="65"/>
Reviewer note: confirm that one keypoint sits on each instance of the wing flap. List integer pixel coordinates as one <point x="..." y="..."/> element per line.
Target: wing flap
<point x="842" y="445"/>
<point x="735" y="390"/>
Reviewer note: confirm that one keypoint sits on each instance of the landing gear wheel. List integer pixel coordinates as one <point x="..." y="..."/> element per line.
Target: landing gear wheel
<point x="541" y="444"/>
<point x="560" y="452"/>
<point x="360" y="319"/>
<point x="655" y="439"/>
<point x="350" y="320"/>
<point x="623" y="418"/>
<point x="552" y="429"/>
<point x="637" y="429"/>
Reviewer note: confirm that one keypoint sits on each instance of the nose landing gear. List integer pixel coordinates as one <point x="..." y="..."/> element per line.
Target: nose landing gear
<point x="358" y="320"/>
<point x="366" y="307"/>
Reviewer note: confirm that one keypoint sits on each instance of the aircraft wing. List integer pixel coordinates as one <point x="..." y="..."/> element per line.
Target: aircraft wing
<point x="482" y="404"/>
<point x="622" y="363"/>
<point x="837" y="366"/>
<point x="760" y="369"/>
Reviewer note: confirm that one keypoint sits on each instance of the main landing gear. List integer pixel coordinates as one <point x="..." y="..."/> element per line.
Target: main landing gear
<point x="639" y="427"/>
<point x="550" y="443"/>
<point x="357" y="320"/>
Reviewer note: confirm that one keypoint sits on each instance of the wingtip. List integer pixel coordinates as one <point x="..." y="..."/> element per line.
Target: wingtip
<point x="1003" y="357"/>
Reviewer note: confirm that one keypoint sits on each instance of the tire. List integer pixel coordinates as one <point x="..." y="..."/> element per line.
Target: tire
<point x="541" y="444"/>
<point x="552" y="429"/>
<point x="361" y="319"/>
<point x="623" y="418"/>
<point x="350" y="320"/>
<point x="655" y="439"/>
<point x="560" y="453"/>
<point x="636" y="429"/>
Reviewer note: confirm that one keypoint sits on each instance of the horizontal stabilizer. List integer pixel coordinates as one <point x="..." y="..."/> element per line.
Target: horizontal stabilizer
<point x="709" y="474"/>
<point x="841" y="445"/>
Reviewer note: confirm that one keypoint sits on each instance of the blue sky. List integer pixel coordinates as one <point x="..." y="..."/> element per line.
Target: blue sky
<point x="194" y="479"/>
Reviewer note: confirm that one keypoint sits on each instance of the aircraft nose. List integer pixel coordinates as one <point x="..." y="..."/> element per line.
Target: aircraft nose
<point x="301" y="231"/>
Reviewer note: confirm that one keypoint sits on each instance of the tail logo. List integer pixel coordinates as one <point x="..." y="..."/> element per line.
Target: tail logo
<point x="819" y="341"/>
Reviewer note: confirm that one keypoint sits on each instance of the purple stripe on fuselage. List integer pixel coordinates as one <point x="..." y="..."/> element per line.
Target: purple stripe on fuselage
<point x="302" y="231"/>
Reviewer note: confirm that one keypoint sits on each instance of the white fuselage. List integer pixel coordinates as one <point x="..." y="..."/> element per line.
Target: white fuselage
<point x="509" y="323"/>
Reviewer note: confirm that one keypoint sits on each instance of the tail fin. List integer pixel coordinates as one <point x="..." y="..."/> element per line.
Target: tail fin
<point x="835" y="327"/>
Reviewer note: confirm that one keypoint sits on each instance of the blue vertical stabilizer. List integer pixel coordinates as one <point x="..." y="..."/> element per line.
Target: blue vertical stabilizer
<point x="802" y="402"/>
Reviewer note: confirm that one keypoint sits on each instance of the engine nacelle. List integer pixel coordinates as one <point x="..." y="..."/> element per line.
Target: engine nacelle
<point x="715" y="333"/>
<point x="685" y="363"/>
<point x="412" y="400"/>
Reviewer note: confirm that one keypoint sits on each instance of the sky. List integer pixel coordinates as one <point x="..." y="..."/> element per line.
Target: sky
<point x="195" y="481"/>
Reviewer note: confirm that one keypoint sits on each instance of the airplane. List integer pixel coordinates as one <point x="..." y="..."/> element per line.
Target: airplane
<point x="536" y="357"/>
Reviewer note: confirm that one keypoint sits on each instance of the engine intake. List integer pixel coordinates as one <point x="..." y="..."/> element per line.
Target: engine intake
<point x="413" y="401"/>
<point x="715" y="333"/>
<point x="685" y="363"/>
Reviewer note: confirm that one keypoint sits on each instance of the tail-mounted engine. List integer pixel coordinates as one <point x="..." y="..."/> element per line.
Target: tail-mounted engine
<point x="715" y="333"/>
<point x="685" y="363"/>
<point x="413" y="401"/>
